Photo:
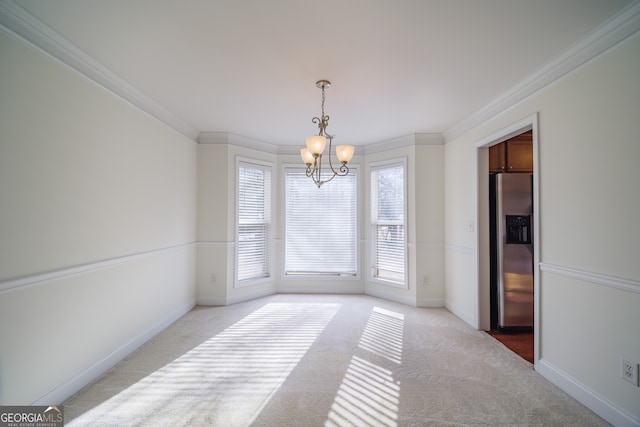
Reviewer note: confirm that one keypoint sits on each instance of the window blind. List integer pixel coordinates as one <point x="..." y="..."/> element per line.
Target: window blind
<point x="388" y="223"/>
<point x="254" y="221"/>
<point x="320" y="225"/>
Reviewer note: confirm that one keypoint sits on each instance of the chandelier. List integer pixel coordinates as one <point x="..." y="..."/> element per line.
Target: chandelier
<point x="312" y="155"/>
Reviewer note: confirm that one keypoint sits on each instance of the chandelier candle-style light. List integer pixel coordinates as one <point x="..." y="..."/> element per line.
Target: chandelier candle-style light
<point x="312" y="155"/>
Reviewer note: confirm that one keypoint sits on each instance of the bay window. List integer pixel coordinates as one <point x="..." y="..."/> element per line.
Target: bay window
<point x="254" y="221"/>
<point x="388" y="222"/>
<point x="320" y="225"/>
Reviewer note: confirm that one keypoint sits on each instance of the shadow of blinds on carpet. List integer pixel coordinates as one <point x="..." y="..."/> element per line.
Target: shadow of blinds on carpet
<point x="226" y="380"/>
<point x="368" y="394"/>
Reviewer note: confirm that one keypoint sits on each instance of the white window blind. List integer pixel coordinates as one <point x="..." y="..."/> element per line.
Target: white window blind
<point x="320" y="225"/>
<point x="388" y="223"/>
<point x="254" y="221"/>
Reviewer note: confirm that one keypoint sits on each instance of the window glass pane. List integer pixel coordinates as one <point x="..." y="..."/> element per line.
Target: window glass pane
<point x="254" y="199"/>
<point x="320" y="225"/>
<point x="388" y="223"/>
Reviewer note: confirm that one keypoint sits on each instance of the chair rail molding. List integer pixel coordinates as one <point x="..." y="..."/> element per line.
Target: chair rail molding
<point x="36" y="279"/>
<point x="629" y="285"/>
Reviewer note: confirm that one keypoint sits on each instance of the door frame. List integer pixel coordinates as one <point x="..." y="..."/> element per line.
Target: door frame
<point x="482" y="252"/>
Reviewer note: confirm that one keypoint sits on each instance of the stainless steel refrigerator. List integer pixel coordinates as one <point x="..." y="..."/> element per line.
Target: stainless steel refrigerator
<point x="512" y="250"/>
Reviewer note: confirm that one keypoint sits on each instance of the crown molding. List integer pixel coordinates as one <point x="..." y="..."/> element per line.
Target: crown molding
<point x="294" y="150"/>
<point x="226" y="138"/>
<point x="429" y="139"/>
<point x="26" y="28"/>
<point x="213" y="138"/>
<point x="619" y="28"/>
<point x="290" y="150"/>
<point x="389" y="144"/>
<point x="405" y="141"/>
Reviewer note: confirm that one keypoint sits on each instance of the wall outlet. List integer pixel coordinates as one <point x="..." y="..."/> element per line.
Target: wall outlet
<point x="213" y="278"/>
<point x="629" y="371"/>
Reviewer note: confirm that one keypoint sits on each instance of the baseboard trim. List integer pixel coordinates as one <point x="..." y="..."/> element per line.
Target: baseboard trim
<point x="86" y="377"/>
<point x="583" y="394"/>
<point x="235" y="299"/>
<point x="430" y="303"/>
<point x="248" y="296"/>
<point x="355" y="288"/>
<point x="211" y="301"/>
<point x="461" y="314"/>
<point x="391" y="296"/>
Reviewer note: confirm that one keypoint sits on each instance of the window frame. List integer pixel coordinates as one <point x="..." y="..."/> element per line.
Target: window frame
<point x="267" y="166"/>
<point x="354" y="169"/>
<point x="374" y="166"/>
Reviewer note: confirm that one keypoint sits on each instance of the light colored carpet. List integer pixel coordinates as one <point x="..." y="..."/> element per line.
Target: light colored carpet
<point x="323" y="360"/>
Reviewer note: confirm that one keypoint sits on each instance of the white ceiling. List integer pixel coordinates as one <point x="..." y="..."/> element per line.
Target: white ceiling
<point x="397" y="67"/>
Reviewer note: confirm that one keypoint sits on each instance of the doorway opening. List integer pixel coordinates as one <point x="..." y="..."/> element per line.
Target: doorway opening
<point x="510" y="238"/>
<point x="507" y="239"/>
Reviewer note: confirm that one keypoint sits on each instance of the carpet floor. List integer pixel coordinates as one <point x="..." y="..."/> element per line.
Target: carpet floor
<point x="323" y="360"/>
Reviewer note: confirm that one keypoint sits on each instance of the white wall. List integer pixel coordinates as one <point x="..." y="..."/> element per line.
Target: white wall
<point x="589" y="236"/>
<point x="98" y="224"/>
<point x="217" y="155"/>
<point x="429" y="223"/>
<point x="212" y="219"/>
<point x="425" y="220"/>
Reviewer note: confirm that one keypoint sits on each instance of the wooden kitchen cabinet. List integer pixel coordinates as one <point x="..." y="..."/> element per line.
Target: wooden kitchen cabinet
<point x="519" y="155"/>
<point x="497" y="158"/>
<point x="512" y="155"/>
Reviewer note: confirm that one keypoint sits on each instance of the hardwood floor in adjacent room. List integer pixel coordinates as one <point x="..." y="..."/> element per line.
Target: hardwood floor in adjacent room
<point x="520" y="343"/>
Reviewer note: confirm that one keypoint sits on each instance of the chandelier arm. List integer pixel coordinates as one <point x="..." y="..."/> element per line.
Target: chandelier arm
<point x="316" y="120"/>
<point x="343" y="169"/>
<point x="315" y="171"/>
<point x="327" y="180"/>
<point x="317" y="177"/>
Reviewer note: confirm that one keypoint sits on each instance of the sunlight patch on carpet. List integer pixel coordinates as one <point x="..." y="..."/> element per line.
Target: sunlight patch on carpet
<point x="368" y="394"/>
<point x="383" y="334"/>
<point x="230" y="377"/>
